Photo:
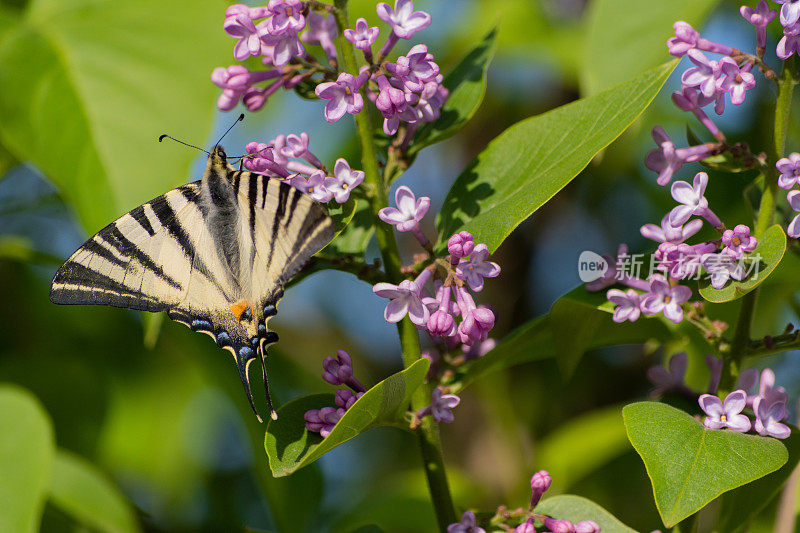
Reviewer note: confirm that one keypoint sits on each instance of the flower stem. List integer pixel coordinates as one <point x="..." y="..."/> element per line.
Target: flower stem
<point x="377" y="196"/>
<point x="766" y="214"/>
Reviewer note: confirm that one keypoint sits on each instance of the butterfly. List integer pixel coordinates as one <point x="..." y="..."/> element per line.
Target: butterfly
<point x="214" y="254"/>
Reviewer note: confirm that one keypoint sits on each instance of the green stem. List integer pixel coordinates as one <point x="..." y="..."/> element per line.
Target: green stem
<point x="766" y="214"/>
<point x="376" y="193"/>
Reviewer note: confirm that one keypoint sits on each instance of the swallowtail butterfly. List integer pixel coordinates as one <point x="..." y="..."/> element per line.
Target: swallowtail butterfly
<point x="214" y="254"/>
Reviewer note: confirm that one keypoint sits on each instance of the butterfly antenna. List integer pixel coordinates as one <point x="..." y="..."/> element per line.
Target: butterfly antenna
<point x="262" y="352"/>
<point x="241" y="117"/>
<point x="165" y="136"/>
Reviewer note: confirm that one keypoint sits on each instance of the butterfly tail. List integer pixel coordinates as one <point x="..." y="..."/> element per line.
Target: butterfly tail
<point x="245" y="356"/>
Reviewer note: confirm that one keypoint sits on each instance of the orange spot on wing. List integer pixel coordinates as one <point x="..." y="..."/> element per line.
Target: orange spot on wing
<point x="238" y="308"/>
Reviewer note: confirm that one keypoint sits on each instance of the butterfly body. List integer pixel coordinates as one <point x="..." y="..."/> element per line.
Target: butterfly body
<point x="214" y="254"/>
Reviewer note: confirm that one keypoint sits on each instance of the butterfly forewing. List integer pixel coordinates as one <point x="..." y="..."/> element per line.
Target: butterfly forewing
<point x="215" y="254"/>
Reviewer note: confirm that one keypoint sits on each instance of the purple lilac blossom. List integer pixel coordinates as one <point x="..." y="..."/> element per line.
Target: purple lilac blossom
<point x="666" y="160"/>
<point x="363" y="36"/>
<point x="587" y="526"/>
<point x="323" y="420"/>
<point x="722" y="267"/>
<point x="405" y="22"/>
<point x="405" y="299"/>
<point x="526" y="527"/>
<point x="415" y="68"/>
<point x="793" y="230"/>
<point x="467" y="525"/>
<point x="735" y="80"/>
<point x="342" y="95"/>
<point x="738" y="241"/>
<point x="789" y="167"/>
<point x="441" y="408"/>
<point x="611" y="274"/>
<point x="789" y="43"/>
<point x="759" y="17"/>
<point x="339" y="371"/>
<point x="725" y="414"/>
<point x="768" y="418"/>
<point x="476" y="321"/>
<point x="627" y="304"/>
<point x="321" y="30"/>
<point x="239" y="24"/>
<point x="669" y="233"/>
<point x="474" y="269"/>
<point x="668" y="380"/>
<point x="691" y="197"/>
<point x="346" y="180"/>
<point x="790" y="12"/>
<point x="316" y="186"/>
<point x="686" y="38"/>
<point x="409" y="211"/>
<point x="559" y="526"/>
<point x="666" y="299"/>
<point x="767" y="389"/>
<point x="703" y="75"/>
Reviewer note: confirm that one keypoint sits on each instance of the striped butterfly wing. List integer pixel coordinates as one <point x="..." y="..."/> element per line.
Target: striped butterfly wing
<point x="215" y="254"/>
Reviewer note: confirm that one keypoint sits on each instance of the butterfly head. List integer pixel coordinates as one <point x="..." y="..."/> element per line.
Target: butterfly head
<point x="218" y="155"/>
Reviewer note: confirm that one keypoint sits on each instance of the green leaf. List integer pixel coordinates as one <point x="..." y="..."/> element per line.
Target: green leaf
<point x="102" y="81"/>
<point x="740" y="506"/>
<point x="575" y="509"/>
<point x="531" y="161"/>
<point x="690" y="465"/>
<point x="354" y="237"/>
<point x="467" y="85"/>
<point x="581" y="320"/>
<point x="79" y="489"/>
<point x="770" y="250"/>
<point x="27" y="447"/>
<point x="609" y="57"/>
<point x="290" y="446"/>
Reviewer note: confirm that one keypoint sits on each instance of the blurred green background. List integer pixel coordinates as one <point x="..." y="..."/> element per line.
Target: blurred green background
<point x="150" y="424"/>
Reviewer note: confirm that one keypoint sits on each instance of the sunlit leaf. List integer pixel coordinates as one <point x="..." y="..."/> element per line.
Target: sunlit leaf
<point x="769" y="253"/>
<point x="291" y="446"/>
<point x="79" y="489"/>
<point x="102" y="81"/>
<point x="609" y="53"/>
<point x="575" y="509"/>
<point x="690" y="465"/>
<point x="27" y="449"/>
<point x="531" y="161"/>
<point x="467" y="85"/>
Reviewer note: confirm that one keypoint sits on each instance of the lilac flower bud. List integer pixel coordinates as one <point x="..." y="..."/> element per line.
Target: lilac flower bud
<point x="255" y="98"/>
<point x="441" y="324"/>
<point x="461" y="244"/>
<point x="415" y="68"/>
<point x="345" y="398"/>
<point x="477" y="321"/>
<point x="559" y="526"/>
<point x="338" y="370"/>
<point x="392" y="104"/>
<point x="540" y="482"/>
<point x="322" y="420"/>
<point x="526" y="527"/>
<point x="468" y="524"/>
<point x="685" y="39"/>
<point x="587" y="526"/>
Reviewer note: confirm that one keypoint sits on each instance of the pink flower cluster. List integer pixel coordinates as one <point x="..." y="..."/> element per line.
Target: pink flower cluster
<point x="408" y="90"/>
<point x="789" y="168"/>
<point x="464" y="270"/>
<point x="721" y="259"/>
<point x="287" y="157"/>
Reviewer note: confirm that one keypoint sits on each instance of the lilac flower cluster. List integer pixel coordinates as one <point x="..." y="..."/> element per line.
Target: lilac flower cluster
<point x="408" y="90"/>
<point x="540" y="482"/>
<point x="452" y="278"/>
<point x="722" y="258"/>
<point x="337" y="371"/>
<point x="789" y="168"/>
<point x="768" y="404"/>
<point x="288" y="158"/>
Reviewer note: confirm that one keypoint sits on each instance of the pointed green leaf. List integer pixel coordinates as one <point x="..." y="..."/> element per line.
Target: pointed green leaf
<point x="531" y="161"/>
<point x="768" y="253"/>
<point x="79" y="489"/>
<point x="575" y="509"/>
<point x="26" y="459"/>
<point x="740" y="506"/>
<point x="467" y="85"/>
<point x="102" y="81"/>
<point x="290" y="446"/>
<point x="690" y="465"/>
<point x="609" y="58"/>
